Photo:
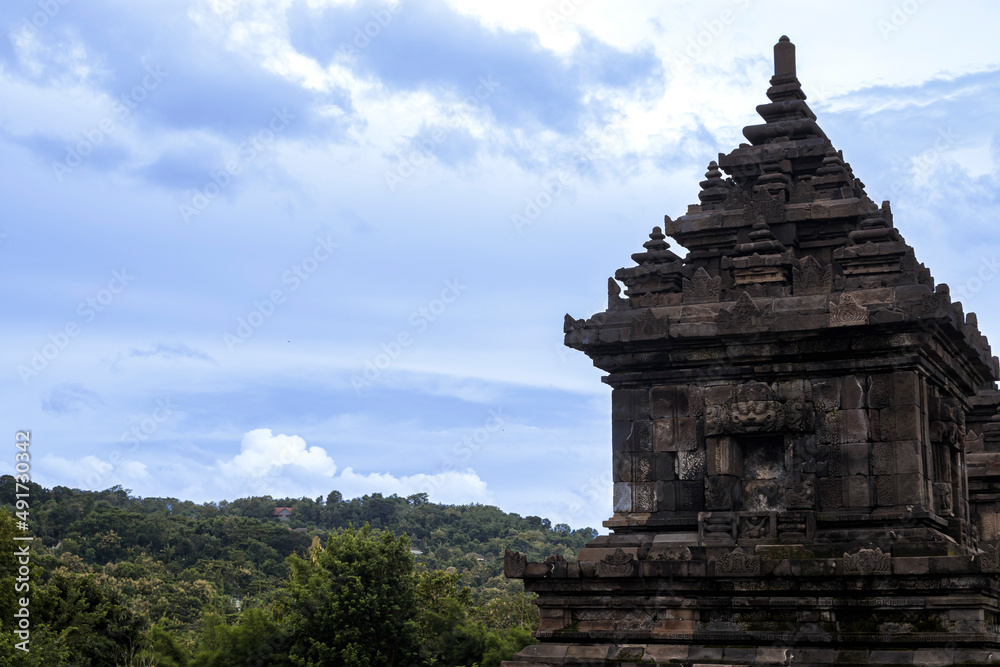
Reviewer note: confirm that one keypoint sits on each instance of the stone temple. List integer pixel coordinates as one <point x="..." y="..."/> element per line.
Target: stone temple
<point x="805" y="435"/>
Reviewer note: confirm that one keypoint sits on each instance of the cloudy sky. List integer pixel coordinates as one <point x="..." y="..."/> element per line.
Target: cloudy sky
<point x="290" y="246"/>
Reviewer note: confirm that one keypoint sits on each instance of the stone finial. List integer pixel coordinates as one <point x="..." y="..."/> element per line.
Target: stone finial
<point x="656" y="242"/>
<point x="784" y="57"/>
<point x="713" y="189"/>
<point x="657" y="250"/>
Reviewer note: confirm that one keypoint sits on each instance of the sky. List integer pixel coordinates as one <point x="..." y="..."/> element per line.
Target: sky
<point x="286" y="247"/>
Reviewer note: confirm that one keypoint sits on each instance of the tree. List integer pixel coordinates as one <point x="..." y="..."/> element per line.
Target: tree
<point x="354" y="602"/>
<point x="88" y="617"/>
<point x="256" y="640"/>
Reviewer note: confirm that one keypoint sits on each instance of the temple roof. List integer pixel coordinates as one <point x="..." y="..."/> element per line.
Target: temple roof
<point x="780" y="218"/>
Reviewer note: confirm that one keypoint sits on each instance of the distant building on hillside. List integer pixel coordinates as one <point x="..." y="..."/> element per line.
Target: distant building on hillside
<point x="283" y="513"/>
<point x="416" y="552"/>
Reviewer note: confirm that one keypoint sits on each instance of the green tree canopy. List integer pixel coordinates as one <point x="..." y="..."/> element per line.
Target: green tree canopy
<point x="354" y="602"/>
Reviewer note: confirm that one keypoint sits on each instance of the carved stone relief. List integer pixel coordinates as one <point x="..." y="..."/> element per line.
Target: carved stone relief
<point x="756" y="410"/>
<point x="738" y="562"/>
<point x="618" y="564"/>
<point x="868" y="561"/>
<point x="745" y="316"/>
<point x="702" y="287"/>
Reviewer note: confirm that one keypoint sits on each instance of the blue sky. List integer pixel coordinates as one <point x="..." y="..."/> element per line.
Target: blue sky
<point x="285" y="247"/>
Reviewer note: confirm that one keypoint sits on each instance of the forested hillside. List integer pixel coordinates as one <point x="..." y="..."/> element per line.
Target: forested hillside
<point x="124" y="581"/>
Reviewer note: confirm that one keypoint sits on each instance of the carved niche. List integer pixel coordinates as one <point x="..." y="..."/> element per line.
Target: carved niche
<point x="756" y="410"/>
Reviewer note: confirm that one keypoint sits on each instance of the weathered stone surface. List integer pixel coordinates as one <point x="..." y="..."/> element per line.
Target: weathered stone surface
<point x="805" y="435"/>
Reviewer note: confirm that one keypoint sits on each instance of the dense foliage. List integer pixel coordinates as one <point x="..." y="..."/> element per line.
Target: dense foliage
<point x="125" y="581"/>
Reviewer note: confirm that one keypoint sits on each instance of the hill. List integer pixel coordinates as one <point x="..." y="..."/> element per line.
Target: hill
<point x="181" y="568"/>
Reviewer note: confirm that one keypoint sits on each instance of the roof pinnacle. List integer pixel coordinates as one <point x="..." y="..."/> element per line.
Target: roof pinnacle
<point x="784" y="57"/>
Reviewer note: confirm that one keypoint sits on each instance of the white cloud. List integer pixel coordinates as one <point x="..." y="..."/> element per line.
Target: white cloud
<point x="284" y="465"/>
<point x="450" y="487"/>
<point x="265" y="454"/>
<point x="89" y="472"/>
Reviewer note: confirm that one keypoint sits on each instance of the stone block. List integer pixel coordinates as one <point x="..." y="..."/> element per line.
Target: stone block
<point x="663" y="435"/>
<point x="723" y="456"/>
<point x="855" y="459"/>
<point x="546" y="651"/>
<point x="642" y="435"/>
<point x="666" y="496"/>
<point x="912" y="565"/>
<point x="629" y="404"/>
<point x="704" y="654"/>
<point x="621" y="467"/>
<point x="908" y="422"/>
<point x="696" y="400"/>
<point x="890" y="658"/>
<point x="691" y="465"/>
<point x="906" y="388"/>
<point x="831" y="492"/>
<point x="584" y="653"/>
<point x="826" y="394"/>
<point x="687" y="434"/>
<point x="907" y="457"/>
<point x="622" y="496"/>
<point x="621" y="432"/>
<point x="644" y="497"/>
<point x="910" y="489"/>
<point x="796" y="322"/>
<point x="880" y="390"/>
<point x="667" y="654"/>
<point x="885" y="490"/>
<point x="858" y="491"/>
<point x="666" y="466"/>
<point x="851" y="393"/>
<point x="721" y="492"/>
<point x="987" y="526"/>
<point x="668" y="401"/>
<point x="692" y="496"/>
<point x="883" y="456"/>
<point x="831" y="430"/>
<point x="854" y="426"/>
<point x="643" y="468"/>
<point x="718" y="394"/>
